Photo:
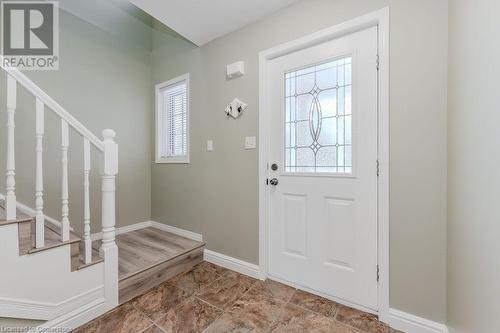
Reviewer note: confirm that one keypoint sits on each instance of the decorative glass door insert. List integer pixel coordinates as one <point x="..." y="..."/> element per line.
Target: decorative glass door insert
<point x="318" y="118"/>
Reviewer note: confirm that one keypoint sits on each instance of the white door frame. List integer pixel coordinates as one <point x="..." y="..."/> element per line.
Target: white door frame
<point x="380" y="19"/>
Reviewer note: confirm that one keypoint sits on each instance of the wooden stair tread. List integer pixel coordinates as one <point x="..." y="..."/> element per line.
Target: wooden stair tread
<point x="95" y="257"/>
<point x="27" y="237"/>
<point x="21" y="216"/>
<point x="52" y="240"/>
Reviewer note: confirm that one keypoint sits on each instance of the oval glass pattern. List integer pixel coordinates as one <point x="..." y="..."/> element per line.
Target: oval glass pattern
<point x="318" y="118"/>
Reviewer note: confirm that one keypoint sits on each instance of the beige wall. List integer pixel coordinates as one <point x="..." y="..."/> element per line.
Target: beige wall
<point x="474" y="164"/>
<point x="105" y="83"/>
<point x="217" y="193"/>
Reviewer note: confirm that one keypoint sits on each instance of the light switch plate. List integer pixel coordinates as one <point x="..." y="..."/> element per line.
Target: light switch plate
<point x="250" y="142"/>
<point x="210" y="145"/>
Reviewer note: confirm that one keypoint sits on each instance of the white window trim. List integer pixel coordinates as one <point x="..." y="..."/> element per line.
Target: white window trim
<point x="171" y="160"/>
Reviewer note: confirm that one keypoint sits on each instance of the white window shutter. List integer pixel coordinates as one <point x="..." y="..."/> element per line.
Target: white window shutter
<point x="172" y="121"/>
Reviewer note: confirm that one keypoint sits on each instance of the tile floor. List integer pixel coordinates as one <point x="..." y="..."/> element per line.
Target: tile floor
<point x="212" y="299"/>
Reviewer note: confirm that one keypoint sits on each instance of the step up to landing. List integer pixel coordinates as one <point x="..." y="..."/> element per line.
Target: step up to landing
<point x="150" y="256"/>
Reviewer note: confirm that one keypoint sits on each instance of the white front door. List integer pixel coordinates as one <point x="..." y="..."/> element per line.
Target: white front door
<point x="323" y="168"/>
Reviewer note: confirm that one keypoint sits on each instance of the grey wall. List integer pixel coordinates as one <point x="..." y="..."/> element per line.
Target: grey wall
<point x="119" y="18"/>
<point x="217" y="193"/>
<point x="104" y="82"/>
<point x="474" y="164"/>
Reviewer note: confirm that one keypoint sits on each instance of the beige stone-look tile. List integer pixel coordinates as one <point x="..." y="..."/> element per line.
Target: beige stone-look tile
<point x="226" y="290"/>
<point x="274" y="289"/>
<point x="191" y="316"/>
<point x="258" y="308"/>
<point x="198" y="278"/>
<point x="295" y="319"/>
<point x="234" y="323"/>
<point x="314" y="303"/>
<point x="159" y="301"/>
<point x="209" y="267"/>
<point x="361" y="320"/>
<point x="125" y="319"/>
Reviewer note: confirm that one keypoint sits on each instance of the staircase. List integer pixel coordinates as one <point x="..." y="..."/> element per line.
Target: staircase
<point x="47" y="271"/>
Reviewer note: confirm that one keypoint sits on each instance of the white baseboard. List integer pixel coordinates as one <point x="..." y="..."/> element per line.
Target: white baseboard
<point x="76" y="318"/>
<point x="399" y="320"/>
<point x="47" y="311"/>
<point x="177" y="231"/>
<point x="157" y="225"/>
<point x="125" y="229"/>
<point x="30" y="211"/>
<point x="409" y="323"/>
<point x="233" y="264"/>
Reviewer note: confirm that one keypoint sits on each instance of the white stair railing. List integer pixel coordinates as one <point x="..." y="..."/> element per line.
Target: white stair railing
<point x="40" y="216"/>
<point x="107" y="148"/>
<point x="10" y="180"/>
<point x="86" y="197"/>
<point x="65" y="186"/>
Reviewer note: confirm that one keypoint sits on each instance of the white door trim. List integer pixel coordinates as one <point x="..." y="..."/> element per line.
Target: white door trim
<point x="380" y="19"/>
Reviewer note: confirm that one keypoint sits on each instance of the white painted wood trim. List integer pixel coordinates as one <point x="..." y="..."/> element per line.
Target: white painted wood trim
<point x="395" y="318"/>
<point x="178" y="231"/>
<point x="409" y="323"/>
<point x="384" y="162"/>
<point x="233" y="264"/>
<point x="165" y="227"/>
<point x="65" y="181"/>
<point x="108" y="250"/>
<point x="10" y="165"/>
<point x="53" y="105"/>
<point x="40" y="217"/>
<point x="76" y="318"/>
<point x="30" y="211"/>
<point x="122" y="230"/>
<point x="47" y="311"/>
<point x="158" y="87"/>
<point x="86" y="201"/>
<point x="380" y="19"/>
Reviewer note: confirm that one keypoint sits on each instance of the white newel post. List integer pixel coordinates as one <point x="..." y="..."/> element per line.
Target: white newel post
<point x="40" y="217"/>
<point x="109" y="250"/>
<point x="64" y="190"/>
<point x="10" y="182"/>
<point x="86" y="194"/>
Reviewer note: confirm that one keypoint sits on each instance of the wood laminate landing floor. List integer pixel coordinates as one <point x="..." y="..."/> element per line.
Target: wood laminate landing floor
<point x="150" y="256"/>
<point x="212" y="299"/>
<point x="144" y="248"/>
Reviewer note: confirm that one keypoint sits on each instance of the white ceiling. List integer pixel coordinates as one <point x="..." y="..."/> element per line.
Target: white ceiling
<point x="202" y="21"/>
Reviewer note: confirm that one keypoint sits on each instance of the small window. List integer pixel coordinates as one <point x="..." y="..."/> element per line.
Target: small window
<point x="172" y="121"/>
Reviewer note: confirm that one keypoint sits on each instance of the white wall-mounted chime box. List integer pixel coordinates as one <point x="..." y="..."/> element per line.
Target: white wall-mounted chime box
<point x="235" y="70"/>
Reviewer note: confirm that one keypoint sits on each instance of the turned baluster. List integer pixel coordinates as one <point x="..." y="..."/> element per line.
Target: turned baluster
<point x="10" y="181"/>
<point x="64" y="190"/>
<point x="86" y="193"/>
<point x="40" y="217"/>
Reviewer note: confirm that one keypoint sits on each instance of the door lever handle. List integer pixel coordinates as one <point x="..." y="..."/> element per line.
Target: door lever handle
<point x="273" y="182"/>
